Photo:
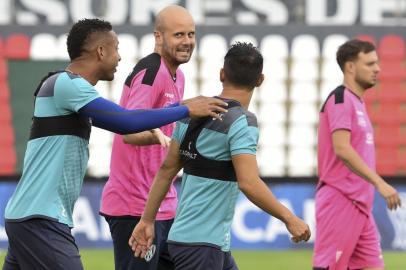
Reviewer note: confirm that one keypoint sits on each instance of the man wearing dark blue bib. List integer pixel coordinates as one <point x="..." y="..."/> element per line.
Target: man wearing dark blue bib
<point x="218" y="159"/>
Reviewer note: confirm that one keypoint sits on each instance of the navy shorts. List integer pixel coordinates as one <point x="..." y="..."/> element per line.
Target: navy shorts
<point x="188" y="257"/>
<point x="41" y="244"/>
<point x="121" y="229"/>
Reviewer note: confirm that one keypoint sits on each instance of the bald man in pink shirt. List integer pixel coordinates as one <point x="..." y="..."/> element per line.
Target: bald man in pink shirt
<point x="155" y="82"/>
<point x="346" y="233"/>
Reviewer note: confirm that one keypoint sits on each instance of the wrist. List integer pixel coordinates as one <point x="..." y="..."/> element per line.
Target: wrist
<point x="147" y="220"/>
<point x="377" y="181"/>
<point x="287" y="217"/>
<point x="186" y="109"/>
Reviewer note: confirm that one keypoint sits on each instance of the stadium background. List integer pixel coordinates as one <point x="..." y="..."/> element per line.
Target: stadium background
<point x="298" y="39"/>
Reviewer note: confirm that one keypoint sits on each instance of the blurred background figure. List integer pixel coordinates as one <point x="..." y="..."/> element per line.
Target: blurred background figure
<point x="347" y="172"/>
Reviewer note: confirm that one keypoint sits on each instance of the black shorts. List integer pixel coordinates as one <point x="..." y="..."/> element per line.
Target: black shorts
<point x="121" y="229"/>
<point x="188" y="257"/>
<point x="41" y="244"/>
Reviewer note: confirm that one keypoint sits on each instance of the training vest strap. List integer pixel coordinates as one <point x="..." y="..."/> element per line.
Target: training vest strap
<point x="194" y="163"/>
<point x="71" y="124"/>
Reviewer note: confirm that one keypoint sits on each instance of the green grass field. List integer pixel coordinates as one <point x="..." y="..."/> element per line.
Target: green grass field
<point x="99" y="259"/>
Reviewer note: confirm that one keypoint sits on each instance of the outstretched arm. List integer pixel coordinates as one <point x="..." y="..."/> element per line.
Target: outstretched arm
<point x="110" y="116"/>
<point x="143" y="235"/>
<point x="254" y="188"/>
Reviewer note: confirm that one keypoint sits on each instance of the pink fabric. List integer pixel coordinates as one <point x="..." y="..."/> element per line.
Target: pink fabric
<point x="133" y="168"/>
<point x="346" y="238"/>
<point x="350" y="115"/>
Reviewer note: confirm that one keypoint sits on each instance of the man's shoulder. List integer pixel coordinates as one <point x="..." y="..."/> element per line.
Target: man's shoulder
<point x="237" y="113"/>
<point x="337" y="96"/>
<point x="149" y="61"/>
<point x="150" y="64"/>
<point x="68" y="79"/>
<point x="234" y="116"/>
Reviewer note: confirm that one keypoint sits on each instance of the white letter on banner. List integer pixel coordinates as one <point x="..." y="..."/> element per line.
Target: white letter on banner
<point x="83" y="220"/>
<point x="104" y="229"/>
<point x="373" y="10"/>
<point x="115" y="11"/>
<point x="54" y="11"/>
<point x="316" y="12"/>
<point x="275" y="11"/>
<point x="398" y="219"/>
<point x="276" y="227"/>
<point x="5" y="12"/>
<point x="196" y="9"/>
<point x="142" y="10"/>
<point x="309" y="216"/>
<point x="3" y="235"/>
<point x="238" y="227"/>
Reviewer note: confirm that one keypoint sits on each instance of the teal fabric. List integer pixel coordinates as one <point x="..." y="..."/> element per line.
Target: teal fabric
<point x="54" y="166"/>
<point x="206" y="206"/>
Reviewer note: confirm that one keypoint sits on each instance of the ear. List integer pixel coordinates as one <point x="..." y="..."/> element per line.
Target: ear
<point x="260" y="80"/>
<point x="222" y="75"/>
<point x="349" y="67"/>
<point x="100" y="51"/>
<point x="158" y="37"/>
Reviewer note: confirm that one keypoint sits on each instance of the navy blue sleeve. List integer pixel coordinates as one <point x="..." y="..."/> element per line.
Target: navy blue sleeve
<point x="110" y="116"/>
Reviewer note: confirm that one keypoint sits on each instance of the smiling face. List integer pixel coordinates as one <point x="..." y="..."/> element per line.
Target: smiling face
<point x="109" y="56"/>
<point x="175" y="35"/>
<point x="366" y="69"/>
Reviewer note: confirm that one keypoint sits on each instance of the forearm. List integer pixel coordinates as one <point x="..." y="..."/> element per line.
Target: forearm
<point x="159" y="189"/>
<point x="141" y="138"/>
<point x="355" y="163"/>
<point x="259" y="194"/>
<point x="108" y="115"/>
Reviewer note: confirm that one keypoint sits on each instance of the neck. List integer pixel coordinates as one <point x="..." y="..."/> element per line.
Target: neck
<point x="239" y="94"/>
<point x="83" y="68"/>
<point x="170" y="66"/>
<point x="354" y="87"/>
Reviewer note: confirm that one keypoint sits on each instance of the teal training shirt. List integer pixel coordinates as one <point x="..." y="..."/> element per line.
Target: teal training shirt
<point x="54" y="166"/>
<point x="206" y="206"/>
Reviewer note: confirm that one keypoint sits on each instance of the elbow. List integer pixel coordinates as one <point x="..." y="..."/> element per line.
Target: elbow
<point x="244" y="186"/>
<point x="341" y="152"/>
<point x="126" y="139"/>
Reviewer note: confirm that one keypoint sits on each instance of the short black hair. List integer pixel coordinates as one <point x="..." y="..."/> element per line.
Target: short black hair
<point x="80" y="33"/>
<point x="243" y="64"/>
<point x="349" y="51"/>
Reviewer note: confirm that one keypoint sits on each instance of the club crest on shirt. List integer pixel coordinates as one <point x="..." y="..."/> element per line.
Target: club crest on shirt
<point x="369" y="138"/>
<point x="362" y="122"/>
<point x="220" y="115"/>
<point x="150" y="253"/>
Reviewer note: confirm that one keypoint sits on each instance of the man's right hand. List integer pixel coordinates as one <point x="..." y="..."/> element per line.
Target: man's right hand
<point x="141" y="238"/>
<point x="201" y="106"/>
<point x="390" y="194"/>
<point x="298" y="228"/>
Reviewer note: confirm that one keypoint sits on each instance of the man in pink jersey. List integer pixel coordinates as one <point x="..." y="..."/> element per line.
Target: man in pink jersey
<point x="155" y="82"/>
<point x="346" y="234"/>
